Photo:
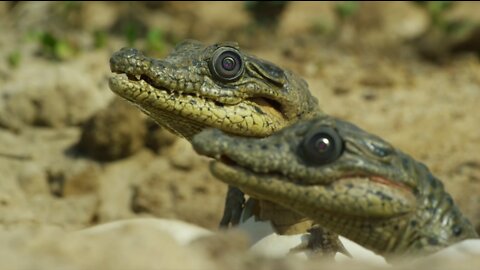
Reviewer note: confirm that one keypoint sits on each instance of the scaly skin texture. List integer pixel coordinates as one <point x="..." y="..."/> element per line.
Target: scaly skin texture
<point x="370" y="193"/>
<point x="182" y="94"/>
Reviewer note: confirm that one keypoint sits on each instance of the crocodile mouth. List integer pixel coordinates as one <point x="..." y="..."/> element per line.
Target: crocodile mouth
<point x="267" y="104"/>
<point x="378" y="179"/>
<point x="372" y="196"/>
<point x="255" y="117"/>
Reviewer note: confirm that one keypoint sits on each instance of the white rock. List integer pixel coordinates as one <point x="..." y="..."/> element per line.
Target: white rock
<point x="268" y="243"/>
<point x="360" y="253"/>
<point x="459" y="251"/>
<point x="182" y="232"/>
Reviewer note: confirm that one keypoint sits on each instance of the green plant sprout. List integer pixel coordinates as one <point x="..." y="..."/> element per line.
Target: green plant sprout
<point x="155" y="41"/>
<point x="52" y="46"/>
<point x="14" y="58"/>
<point x="346" y="9"/>
<point x="99" y="39"/>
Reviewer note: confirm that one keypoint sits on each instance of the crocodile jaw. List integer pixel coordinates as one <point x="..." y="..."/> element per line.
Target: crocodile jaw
<point x="186" y="114"/>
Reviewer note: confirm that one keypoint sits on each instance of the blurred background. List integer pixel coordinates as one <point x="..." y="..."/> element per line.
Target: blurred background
<point x="73" y="155"/>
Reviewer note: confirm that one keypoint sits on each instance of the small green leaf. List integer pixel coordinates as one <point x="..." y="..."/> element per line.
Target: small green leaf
<point x="48" y="41"/>
<point x="155" y="40"/>
<point x="438" y="7"/>
<point x="63" y="50"/>
<point x="55" y="48"/>
<point x="99" y="39"/>
<point x="14" y="59"/>
<point x="346" y="9"/>
<point x="131" y="34"/>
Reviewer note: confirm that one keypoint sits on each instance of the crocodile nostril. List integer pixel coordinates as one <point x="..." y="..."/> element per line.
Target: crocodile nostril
<point x="225" y="159"/>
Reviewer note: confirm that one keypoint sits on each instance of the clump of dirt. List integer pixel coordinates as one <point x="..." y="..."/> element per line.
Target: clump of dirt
<point x="49" y="97"/>
<point x="188" y="190"/>
<point x="115" y="132"/>
<point x="121" y="130"/>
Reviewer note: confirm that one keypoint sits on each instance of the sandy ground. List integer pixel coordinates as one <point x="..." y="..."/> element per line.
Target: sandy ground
<point x="72" y="155"/>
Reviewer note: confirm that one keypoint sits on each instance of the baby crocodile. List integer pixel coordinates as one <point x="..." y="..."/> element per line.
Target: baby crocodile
<point x="347" y="180"/>
<point x="199" y="86"/>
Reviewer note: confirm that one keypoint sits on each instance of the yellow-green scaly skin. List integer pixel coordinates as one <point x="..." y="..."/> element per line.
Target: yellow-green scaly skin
<point x="180" y="93"/>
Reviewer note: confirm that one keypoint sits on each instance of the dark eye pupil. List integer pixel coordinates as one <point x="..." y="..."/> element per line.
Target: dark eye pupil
<point x="228" y="63"/>
<point x="322" y="144"/>
<point x="457" y="231"/>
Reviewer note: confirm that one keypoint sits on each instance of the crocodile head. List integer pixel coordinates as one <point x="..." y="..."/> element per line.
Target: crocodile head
<point x="219" y="86"/>
<point x="349" y="181"/>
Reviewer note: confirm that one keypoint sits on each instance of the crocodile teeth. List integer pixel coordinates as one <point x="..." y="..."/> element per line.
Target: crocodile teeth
<point x="138" y="77"/>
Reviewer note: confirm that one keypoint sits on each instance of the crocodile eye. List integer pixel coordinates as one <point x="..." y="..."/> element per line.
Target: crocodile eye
<point x="322" y="146"/>
<point x="226" y="64"/>
<point x="457" y="230"/>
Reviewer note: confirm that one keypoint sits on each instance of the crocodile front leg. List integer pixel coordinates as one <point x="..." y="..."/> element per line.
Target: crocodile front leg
<point x="234" y="205"/>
